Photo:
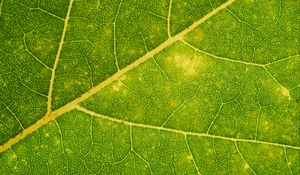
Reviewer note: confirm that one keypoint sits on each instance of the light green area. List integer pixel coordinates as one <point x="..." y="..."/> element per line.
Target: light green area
<point x="222" y="100"/>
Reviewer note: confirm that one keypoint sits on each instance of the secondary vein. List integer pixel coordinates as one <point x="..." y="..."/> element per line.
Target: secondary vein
<point x="49" y="103"/>
<point x="142" y="125"/>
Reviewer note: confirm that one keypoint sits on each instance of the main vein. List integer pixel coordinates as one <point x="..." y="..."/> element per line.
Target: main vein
<point x="62" y="40"/>
<point x="51" y="115"/>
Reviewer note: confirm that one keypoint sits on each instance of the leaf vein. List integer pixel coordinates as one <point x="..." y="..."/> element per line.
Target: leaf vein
<point x="160" y="128"/>
<point x="193" y="159"/>
<point x="242" y="157"/>
<point x="169" y="19"/>
<point x="49" y="105"/>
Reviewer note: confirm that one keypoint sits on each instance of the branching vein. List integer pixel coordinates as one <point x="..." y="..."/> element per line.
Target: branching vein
<point x="51" y="115"/>
<point x="57" y="57"/>
<point x="115" y="38"/>
<point x="160" y="128"/>
<point x="169" y="19"/>
<point x="221" y="58"/>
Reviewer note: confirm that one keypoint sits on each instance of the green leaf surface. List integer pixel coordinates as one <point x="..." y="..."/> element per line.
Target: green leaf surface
<point x="149" y="87"/>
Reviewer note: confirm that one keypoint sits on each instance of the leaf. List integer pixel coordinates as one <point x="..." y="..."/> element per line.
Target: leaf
<point x="149" y="87"/>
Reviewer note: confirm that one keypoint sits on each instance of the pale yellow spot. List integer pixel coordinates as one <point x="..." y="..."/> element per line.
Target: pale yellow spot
<point x="189" y="157"/>
<point x="246" y="166"/>
<point x="270" y="154"/>
<point x="288" y="27"/>
<point x="108" y="32"/>
<point x="292" y="50"/>
<point x="252" y="113"/>
<point x="57" y="141"/>
<point x="90" y="26"/>
<point x="254" y="16"/>
<point x="286" y="137"/>
<point x="13" y="157"/>
<point x="210" y="150"/>
<point x="117" y="86"/>
<point x="108" y="124"/>
<point x="132" y="52"/>
<point x="46" y="134"/>
<point x="174" y="103"/>
<point x="289" y="163"/>
<point x="39" y="47"/>
<point x="188" y="64"/>
<point x="152" y="37"/>
<point x="68" y="151"/>
<point x="284" y="91"/>
<point x="125" y="92"/>
<point x="266" y="126"/>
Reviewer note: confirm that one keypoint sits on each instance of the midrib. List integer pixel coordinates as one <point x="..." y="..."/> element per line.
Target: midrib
<point x="72" y="105"/>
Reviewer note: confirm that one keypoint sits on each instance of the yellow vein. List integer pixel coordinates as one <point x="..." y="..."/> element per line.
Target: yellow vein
<point x="115" y="39"/>
<point x="169" y="18"/>
<point x="141" y="125"/>
<point x="221" y="58"/>
<point x="71" y="105"/>
<point x="58" y="56"/>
